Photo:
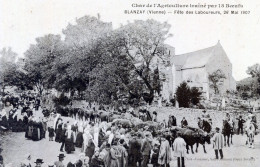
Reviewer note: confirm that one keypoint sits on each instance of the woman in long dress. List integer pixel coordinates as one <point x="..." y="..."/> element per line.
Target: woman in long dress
<point x="90" y="150"/>
<point x="79" y="138"/>
<point x="36" y="131"/>
<point x="69" y="144"/>
<point x="58" y="133"/>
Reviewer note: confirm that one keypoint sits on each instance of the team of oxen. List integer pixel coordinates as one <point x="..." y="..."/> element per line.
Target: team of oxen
<point x="191" y="135"/>
<point x="131" y="121"/>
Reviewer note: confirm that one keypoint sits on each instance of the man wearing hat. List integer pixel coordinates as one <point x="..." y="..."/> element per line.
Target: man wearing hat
<point x="38" y="162"/>
<point x="146" y="150"/>
<point x="241" y="121"/>
<point x="59" y="163"/>
<point x="164" y="153"/>
<point x="184" y="122"/>
<point x="218" y="143"/>
<point x="179" y="148"/>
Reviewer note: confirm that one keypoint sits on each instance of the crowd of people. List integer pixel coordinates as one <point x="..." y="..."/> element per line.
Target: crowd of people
<point x="18" y="115"/>
<point x="103" y="135"/>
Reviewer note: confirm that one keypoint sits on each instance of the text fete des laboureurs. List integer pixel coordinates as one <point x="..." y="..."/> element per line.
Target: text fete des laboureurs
<point x="180" y="9"/>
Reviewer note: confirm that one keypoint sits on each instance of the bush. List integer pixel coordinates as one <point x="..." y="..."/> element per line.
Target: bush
<point x="186" y="96"/>
<point x="195" y="96"/>
<point x="183" y="95"/>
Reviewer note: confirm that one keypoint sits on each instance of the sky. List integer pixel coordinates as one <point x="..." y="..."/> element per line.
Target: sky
<point x="24" y="20"/>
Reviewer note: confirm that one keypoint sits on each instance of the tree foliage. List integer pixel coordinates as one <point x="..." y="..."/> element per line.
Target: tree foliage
<point x="195" y="95"/>
<point x="216" y="79"/>
<point x="142" y="44"/>
<point x="183" y="95"/>
<point x="8" y="67"/>
<point x="254" y="71"/>
<point x="40" y="61"/>
<point x="99" y="63"/>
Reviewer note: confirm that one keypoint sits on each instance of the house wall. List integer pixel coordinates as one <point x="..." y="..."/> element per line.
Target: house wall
<point x="198" y="77"/>
<point x="219" y="60"/>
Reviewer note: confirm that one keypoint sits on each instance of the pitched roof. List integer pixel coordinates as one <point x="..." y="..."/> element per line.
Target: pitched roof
<point x="194" y="59"/>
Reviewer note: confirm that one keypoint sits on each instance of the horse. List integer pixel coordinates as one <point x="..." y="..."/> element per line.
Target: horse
<point x="227" y="132"/>
<point x="250" y="132"/>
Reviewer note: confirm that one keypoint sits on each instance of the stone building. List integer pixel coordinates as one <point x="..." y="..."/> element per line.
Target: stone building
<point x="194" y="68"/>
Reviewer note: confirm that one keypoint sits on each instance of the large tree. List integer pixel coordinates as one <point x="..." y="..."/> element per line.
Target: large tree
<point x="142" y="44"/>
<point x="40" y="60"/>
<point x="8" y="67"/>
<point x="84" y="41"/>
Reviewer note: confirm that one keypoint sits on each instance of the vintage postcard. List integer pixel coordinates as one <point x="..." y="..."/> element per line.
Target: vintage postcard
<point x="129" y="83"/>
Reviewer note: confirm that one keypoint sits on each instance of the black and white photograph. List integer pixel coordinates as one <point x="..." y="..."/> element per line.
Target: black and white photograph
<point x="129" y="83"/>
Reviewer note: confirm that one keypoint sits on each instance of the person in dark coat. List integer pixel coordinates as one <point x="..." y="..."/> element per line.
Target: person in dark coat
<point x="20" y="126"/>
<point x="69" y="145"/>
<point x="25" y="122"/>
<point x="90" y="148"/>
<point x="36" y="136"/>
<point x="58" y="133"/>
<point x="134" y="151"/>
<point x="206" y="127"/>
<point x="184" y="122"/>
<point x="241" y="121"/>
<point x="51" y="133"/>
<point x="42" y="131"/>
<point x="11" y="120"/>
<point x="155" y="156"/>
<point x="172" y="121"/>
<point x="62" y="138"/>
<point x="146" y="150"/>
<point x="79" y="140"/>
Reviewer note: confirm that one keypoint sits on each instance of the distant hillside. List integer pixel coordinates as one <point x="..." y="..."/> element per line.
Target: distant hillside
<point x="246" y="81"/>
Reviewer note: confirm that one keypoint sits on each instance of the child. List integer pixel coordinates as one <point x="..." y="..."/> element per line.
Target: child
<point x="51" y="133"/>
